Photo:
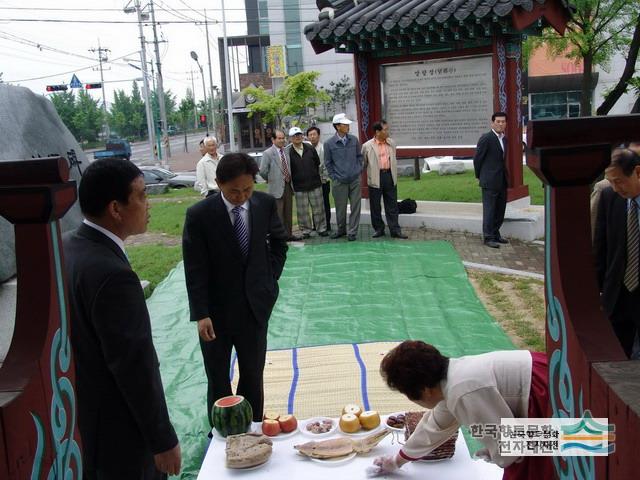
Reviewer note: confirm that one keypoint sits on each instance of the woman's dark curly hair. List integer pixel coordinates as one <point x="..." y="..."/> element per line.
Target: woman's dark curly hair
<point x="413" y="366"/>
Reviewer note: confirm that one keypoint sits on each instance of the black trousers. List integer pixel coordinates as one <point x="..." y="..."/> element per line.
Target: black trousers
<point x="326" y="189"/>
<point x="388" y="192"/>
<point x="494" y="204"/>
<point x="625" y="319"/>
<point x="146" y="472"/>
<point x="250" y="343"/>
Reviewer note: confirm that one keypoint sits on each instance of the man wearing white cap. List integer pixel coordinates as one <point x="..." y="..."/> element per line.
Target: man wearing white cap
<point x="343" y="160"/>
<point x="307" y="185"/>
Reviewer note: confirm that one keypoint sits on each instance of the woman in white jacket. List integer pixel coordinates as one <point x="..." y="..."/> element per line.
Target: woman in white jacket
<point x="472" y="390"/>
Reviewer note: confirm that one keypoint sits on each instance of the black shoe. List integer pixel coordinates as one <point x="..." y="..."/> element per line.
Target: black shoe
<point x="323" y="234"/>
<point x="399" y="235"/>
<point x="305" y="235"/>
<point x="337" y="235"/>
<point x="294" y="238"/>
<point x="378" y="233"/>
<point x="503" y="241"/>
<point x="492" y="244"/>
<point x="351" y="238"/>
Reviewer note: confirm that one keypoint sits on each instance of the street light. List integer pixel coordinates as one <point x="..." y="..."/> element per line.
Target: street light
<point x="194" y="55"/>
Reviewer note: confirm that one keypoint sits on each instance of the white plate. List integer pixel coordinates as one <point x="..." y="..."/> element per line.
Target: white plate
<point x="255" y="467"/>
<point x="280" y="436"/>
<point x="330" y="462"/>
<point x="302" y="426"/>
<point x="393" y="429"/>
<point x="362" y="432"/>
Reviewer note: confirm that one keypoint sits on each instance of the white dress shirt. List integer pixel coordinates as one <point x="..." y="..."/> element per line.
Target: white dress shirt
<point x="324" y="176"/>
<point x="206" y="174"/>
<point x="244" y="213"/>
<point x="116" y="239"/>
<point x="500" y="138"/>
<point x="479" y="389"/>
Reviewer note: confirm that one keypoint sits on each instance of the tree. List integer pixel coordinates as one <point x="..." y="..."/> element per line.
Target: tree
<point x="138" y="119"/>
<point x="169" y="105"/>
<point x="185" y="110"/>
<point x="626" y="79"/>
<point x="297" y="93"/>
<point x="87" y="119"/>
<point x="120" y="113"/>
<point x="65" y="105"/>
<point x="341" y="92"/>
<point x="597" y="30"/>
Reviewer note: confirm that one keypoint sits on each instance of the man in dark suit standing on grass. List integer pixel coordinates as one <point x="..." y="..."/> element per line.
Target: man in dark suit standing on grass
<point x="489" y="164"/>
<point x="617" y="246"/>
<point x="234" y="248"/>
<point x="123" y="419"/>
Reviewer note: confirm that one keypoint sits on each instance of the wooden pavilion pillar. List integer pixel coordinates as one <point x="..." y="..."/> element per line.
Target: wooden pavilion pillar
<point x="364" y="97"/>
<point x="508" y="98"/>
<point x="38" y="430"/>
<point x="587" y="368"/>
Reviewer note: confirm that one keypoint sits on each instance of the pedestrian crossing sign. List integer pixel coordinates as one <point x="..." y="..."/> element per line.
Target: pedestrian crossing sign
<point x="75" y="83"/>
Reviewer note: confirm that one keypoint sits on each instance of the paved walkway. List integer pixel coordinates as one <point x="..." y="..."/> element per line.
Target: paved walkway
<point x="517" y="255"/>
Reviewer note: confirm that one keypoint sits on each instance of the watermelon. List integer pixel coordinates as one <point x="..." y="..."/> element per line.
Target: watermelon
<point x="231" y="415"/>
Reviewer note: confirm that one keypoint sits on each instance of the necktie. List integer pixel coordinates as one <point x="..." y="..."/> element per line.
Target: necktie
<point x="633" y="243"/>
<point x="283" y="166"/>
<point x="240" y="229"/>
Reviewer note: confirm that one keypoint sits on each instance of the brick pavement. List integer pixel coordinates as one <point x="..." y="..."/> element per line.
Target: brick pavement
<point x="517" y="255"/>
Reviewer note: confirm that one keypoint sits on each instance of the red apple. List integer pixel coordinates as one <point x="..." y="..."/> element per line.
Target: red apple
<point x="270" y="428"/>
<point x="288" y="423"/>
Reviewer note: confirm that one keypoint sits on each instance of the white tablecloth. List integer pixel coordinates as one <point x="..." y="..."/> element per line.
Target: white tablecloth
<point x="287" y="464"/>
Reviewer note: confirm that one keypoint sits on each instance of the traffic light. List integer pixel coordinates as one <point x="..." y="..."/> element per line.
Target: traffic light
<point x="56" y="88"/>
<point x="92" y="85"/>
<point x="203" y="120"/>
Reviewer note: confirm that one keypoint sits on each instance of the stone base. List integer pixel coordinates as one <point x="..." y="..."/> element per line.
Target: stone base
<point x="522" y="220"/>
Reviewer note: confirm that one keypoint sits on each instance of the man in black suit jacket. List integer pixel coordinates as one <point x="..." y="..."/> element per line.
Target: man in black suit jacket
<point x="234" y="249"/>
<point x="616" y="251"/>
<point x="123" y="419"/>
<point x="490" y="168"/>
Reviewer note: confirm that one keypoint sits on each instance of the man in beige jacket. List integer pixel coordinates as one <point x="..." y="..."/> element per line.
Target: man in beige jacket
<point x="379" y="157"/>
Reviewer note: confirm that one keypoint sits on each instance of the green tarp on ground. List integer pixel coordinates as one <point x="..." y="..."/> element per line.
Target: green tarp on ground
<point x="330" y="294"/>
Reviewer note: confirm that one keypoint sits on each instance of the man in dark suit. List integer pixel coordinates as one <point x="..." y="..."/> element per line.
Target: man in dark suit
<point x="234" y="249"/>
<point x="616" y="246"/>
<point x="489" y="164"/>
<point x="123" y="419"/>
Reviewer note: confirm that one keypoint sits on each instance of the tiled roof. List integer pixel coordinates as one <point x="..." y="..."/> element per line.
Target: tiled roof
<point x="361" y="18"/>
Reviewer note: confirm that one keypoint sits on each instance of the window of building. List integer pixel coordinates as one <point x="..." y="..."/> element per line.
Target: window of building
<point x="263" y="16"/>
<point x="294" y="59"/>
<point x="555" y="105"/>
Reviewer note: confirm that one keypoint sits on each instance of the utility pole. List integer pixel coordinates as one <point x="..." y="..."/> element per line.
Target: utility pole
<point x="145" y="79"/>
<point x="212" y="97"/>
<point x="195" y="107"/>
<point x="160" y="92"/>
<point x="232" y="140"/>
<point x="102" y="58"/>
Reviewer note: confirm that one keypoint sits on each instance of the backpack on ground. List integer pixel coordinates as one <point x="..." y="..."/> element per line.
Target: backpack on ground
<point x="407" y="206"/>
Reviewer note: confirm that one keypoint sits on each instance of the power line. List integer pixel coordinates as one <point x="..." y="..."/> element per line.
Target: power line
<point x="71" y="71"/>
<point x="130" y="22"/>
<point x="39" y="46"/>
<point x="189" y="9"/>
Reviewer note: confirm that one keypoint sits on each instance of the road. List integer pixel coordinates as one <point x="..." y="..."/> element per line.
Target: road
<point x="141" y="153"/>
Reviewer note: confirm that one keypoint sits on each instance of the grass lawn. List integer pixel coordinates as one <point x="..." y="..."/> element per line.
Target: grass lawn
<point x="458" y="188"/>
<point x="153" y="262"/>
